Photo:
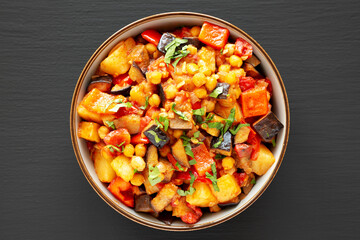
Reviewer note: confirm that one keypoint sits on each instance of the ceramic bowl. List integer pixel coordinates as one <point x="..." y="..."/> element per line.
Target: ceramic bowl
<point x="169" y="21"/>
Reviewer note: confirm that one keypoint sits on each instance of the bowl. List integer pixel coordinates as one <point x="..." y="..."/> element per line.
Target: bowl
<point x="168" y="21"/>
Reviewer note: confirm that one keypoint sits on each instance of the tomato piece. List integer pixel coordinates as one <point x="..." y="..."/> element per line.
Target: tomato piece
<point x="160" y="66"/>
<point x="254" y="102"/>
<point x="144" y="121"/>
<point x="139" y="139"/>
<point x="183" y="32"/>
<point x="246" y="83"/>
<point x="196" y="105"/>
<point x="122" y="80"/>
<point x="186" y="176"/>
<point x="152" y="36"/>
<point x="243" y="48"/>
<point x="203" y="159"/>
<point x="254" y="139"/>
<point x="117" y="137"/>
<point x="213" y="35"/>
<point x="192" y="217"/>
<point x="122" y="191"/>
<point x="269" y="86"/>
<point x="153" y="112"/>
<point x="243" y="150"/>
<point x="134" y="109"/>
<point x="241" y="178"/>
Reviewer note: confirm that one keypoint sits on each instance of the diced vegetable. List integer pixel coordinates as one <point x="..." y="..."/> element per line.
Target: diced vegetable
<point x="243" y="48"/>
<point x="225" y="147"/>
<point x="179" y="153"/>
<point x="221" y="91"/>
<point x="117" y="137"/>
<point x="177" y="123"/>
<point x="213" y="35"/>
<point x="152" y="157"/>
<point x="122" y="191"/>
<point x="138" y="138"/>
<point x="161" y="93"/>
<point x="213" y="127"/>
<point x="136" y="74"/>
<point x="243" y="151"/>
<point x="253" y="60"/>
<point x="103" y="83"/>
<point x="103" y="167"/>
<point x="130" y="122"/>
<point x="242" y="135"/>
<point x="246" y="83"/>
<point x="140" y="56"/>
<point x="152" y="36"/>
<point x="207" y="57"/>
<point x="254" y="102"/>
<point x="232" y="202"/>
<point x="97" y="101"/>
<point x="89" y="131"/>
<point x="89" y="116"/>
<point x="169" y="172"/>
<point x="263" y="162"/>
<point x="164" y="197"/>
<point x="150" y="189"/>
<point x="202" y="197"/>
<point x="156" y="136"/>
<point x="122" y="167"/>
<point x="251" y="71"/>
<point x="165" y="39"/>
<point x="203" y="159"/>
<point x="229" y="188"/>
<point x="194" y="41"/>
<point x="225" y="112"/>
<point x="121" y="90"/>
<point x="255" y="140"/>
<point x="117" y="62"/>
<point x="143" y="204"/>
<point x="268" y="127"/>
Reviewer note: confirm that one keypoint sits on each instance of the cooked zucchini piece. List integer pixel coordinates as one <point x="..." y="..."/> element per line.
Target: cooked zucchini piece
<point x="179" y="153"/>
<point x="268" y="126"/>
<point x="225" y="146"/>
<point x="156" y="136"/>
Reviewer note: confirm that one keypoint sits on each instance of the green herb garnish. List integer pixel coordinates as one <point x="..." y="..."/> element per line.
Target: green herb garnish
<point x="192" y="162"/>
<point x="199" y="112"/>
<point x="187" y="145"/>
<point x="154" y="175"/>
<point x="119" y="145"/>
<point x="172" y="51"/>
<point x="119" y="104"/>
<point x="146" y="104"/>
<point x="165" y="122"/>
<point x="110" y="124"/>
<point x="112" y="148"/>
<point x="179" y="166"/>
<point x="273" y="142"/>
<point x="191" y="189"/>
<point x="213" y="177"/>
<point x="180" y="114"/>
<point x="135" y="170"/>
<point x="216" y="92"/>
<point x="217" y="125"/>
<point x="235" y="130"/>
<point x="157" y="139"/>
<point x="219" y="156"/>
<point x="253" y="181"/>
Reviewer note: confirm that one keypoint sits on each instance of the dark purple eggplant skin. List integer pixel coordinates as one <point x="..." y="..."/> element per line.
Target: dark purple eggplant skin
<point x="106" y="81"/>
<point x="164" y="139"/>
<point x="143" y="203"/>
<point x="194" y="41"/>
<point x="268" y="127"/>
<point x="226" y="144"/>
<point x="161" y="93"/>
<point x="165" y="39"/>
<point x="232" y="203"/>
<point x="166" y="217"/>
<point x="125" y="91"/>
<point x="225" y="91"/>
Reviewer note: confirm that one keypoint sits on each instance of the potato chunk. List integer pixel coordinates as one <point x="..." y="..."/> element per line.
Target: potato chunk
<point x="164" y="197"/>
<point x="103" y="167"/>
<point x="122" y="167"/>
<point x="89" y="131"/>
<point x="229" y="188"/>
<point x="117" y="62"/>
<point x="88" y="116"/>
<point x="202" y="197"/>
<point x="263" y="162"/>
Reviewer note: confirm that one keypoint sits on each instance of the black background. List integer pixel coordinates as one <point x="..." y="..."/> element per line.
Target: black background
<point x="44" y="46"/>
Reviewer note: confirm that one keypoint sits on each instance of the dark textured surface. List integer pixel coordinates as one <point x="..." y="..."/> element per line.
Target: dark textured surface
<point x="44" y="46"/>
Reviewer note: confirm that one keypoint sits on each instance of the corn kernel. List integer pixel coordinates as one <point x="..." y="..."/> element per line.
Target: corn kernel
<point x="200" y="92"/>
<point x="103" y="131"/>
<point x="235" y="61"/>
<point x="137" y="179"/>
<point x="199" y="79"/>
<point x="140" y="150"/>
<point x="129" y="150"/>
<point x="195" y="31"/>
<point x="224" y="68"/>
<point x="154" y="77"/>
<point x="154" y="100"/>
<point x="177" y="133"/>
<point x="138" y="163"/>
<point x="210" y="83"/>
<point x="192" y="68"/>
<point x="205" y="70"/>
<point x="164" y="151"/>
<point x="192" y="49"/>
<point x="151" y="48"/>
<point x="230" y="49"/>
<point x="231" y="78"/>
<point x="170" y="92"/>
<point x="228" y="163"/>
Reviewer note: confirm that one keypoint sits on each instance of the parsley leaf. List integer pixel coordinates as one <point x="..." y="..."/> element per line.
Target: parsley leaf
<point x="187" y="145"/>
<point x="171" y="52"/>
<point x="157" y="139"/>
<point x="217" y="125"/>
<point x="191" y="189"/>
<point x="229" y="121"/>
<point x="110" y="124"/>
<point x="273" y="142"/>
<point x="196" y="134"/>
<point x="135" y="170"/>
<point x="146" y="104"/>
<point x="213" y="177"/>
<point x="180" y="54"/>
<point x="235" y="130"/>
<point x="112" y="148"/>
<point x="181" y="114"/>
<point x="217" y="144"/>
<point x="219" y="156"/>
<point x="154" y="175"/>
<point x="179" y="166"/>
<point x="199" y="112"/>
<point x="192" y="162"/>
<point x="165" y="121"/>
<point x="253" y="181"/>
<point x="119" y="145"/>
<point x="216" y="92"/>
<point x="119" y="104"/>
<point x="221" y="51"/>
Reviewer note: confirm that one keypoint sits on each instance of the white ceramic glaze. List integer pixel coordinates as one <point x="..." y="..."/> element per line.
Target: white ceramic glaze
<point x="169" y="21"/>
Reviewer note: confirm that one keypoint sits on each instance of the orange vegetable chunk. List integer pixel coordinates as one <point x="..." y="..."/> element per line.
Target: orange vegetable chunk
<point x="254" y="102"/>
<point x="203" y="159"/>
<point x="213" y="35"/>
<point x="97" y="101"/>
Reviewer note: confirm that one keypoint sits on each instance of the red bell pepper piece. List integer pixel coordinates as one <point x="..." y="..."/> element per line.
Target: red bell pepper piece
<point x="203" y="159"/>
<point x="122" y="191"/>
<point x="196" y="105"/>
<point x="241" y="177"/>
<point x="246" y="83"/>
<point x="243" y="150"/>
<point x="255" y="140"/>
<point x="117" y="137"/>
<point x="186" y="176"/>
<point x="152" y="36"/>
<point x="213" y="35"/>
<point x="192" y="217"/>
<point x="183" y="32"/>
<point x="122" y="80"/>
<point x="243" y="48"/>
<point x="173" y="161"/>
<point x="139" y="139"/>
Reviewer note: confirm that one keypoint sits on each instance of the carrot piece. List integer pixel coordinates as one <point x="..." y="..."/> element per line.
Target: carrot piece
<point x="203" y="159"/>
<point x="213" y="35"/>
<point x="254" y="102"/>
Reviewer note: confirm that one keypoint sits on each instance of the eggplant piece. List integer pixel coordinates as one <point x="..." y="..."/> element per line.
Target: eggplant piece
<point x="194" y="41"/>
<point x="166" y="217"/>
<point x="103" y="83"/>
<point x="156" y="136"/>
<point x="177" y="123"/>
<point x="253" y="61"/>
<point x="179" y="153"/>
<point x="225" y="146"/>
<point x="140" y="56"/>
<point x="233" y="202"/>
<point x="268" y="127"/>
<point x="161" y="92"/>
<point x="225" y="90"/>
<point x="143" y="204"/>
<point x="152" y="156"/>
<point x="136" y="74"/>
<point x="165" y="39"/>
<point x="118" y="90"/>
<point x="251" y="71"/>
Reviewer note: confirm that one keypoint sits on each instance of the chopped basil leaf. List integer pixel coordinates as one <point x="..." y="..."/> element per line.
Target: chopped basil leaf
<point x="199" y="112"/>
<point x="191" y="189"/>
<point x="192" y="162"/>
<point x="159" y="125"/>
<point x="173" y="53"/>
<point x="110" y="124"/>
<point x="180" y="54"/>
<point x="221" y="51"/>
<point x="273" y="142"/>
<point x="217" y="144"/>
<point x="229" y="121"/>
<point x="213" y="177"/>
<point x="179" y="166"/>
<point x="146" y="104"/>
<point x="135" y="170"/>
<point x="217" y="125"/>
<point x="119" y="104"/>
<point x="165" y="121"/>
<point x="196" y="134"/>
<point x="187" y="145"/>
<point x="157" y="139"/>
<point x="154" y="175"/>
<point x="235" y="130"/>
<point x="112" y="148"/>
<point x="253" y="181"/>
<point x="119" y="145"/>
<point x="216" y="92"/>
<point x="219" y="156"/>
<point x="180" y="114"/>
